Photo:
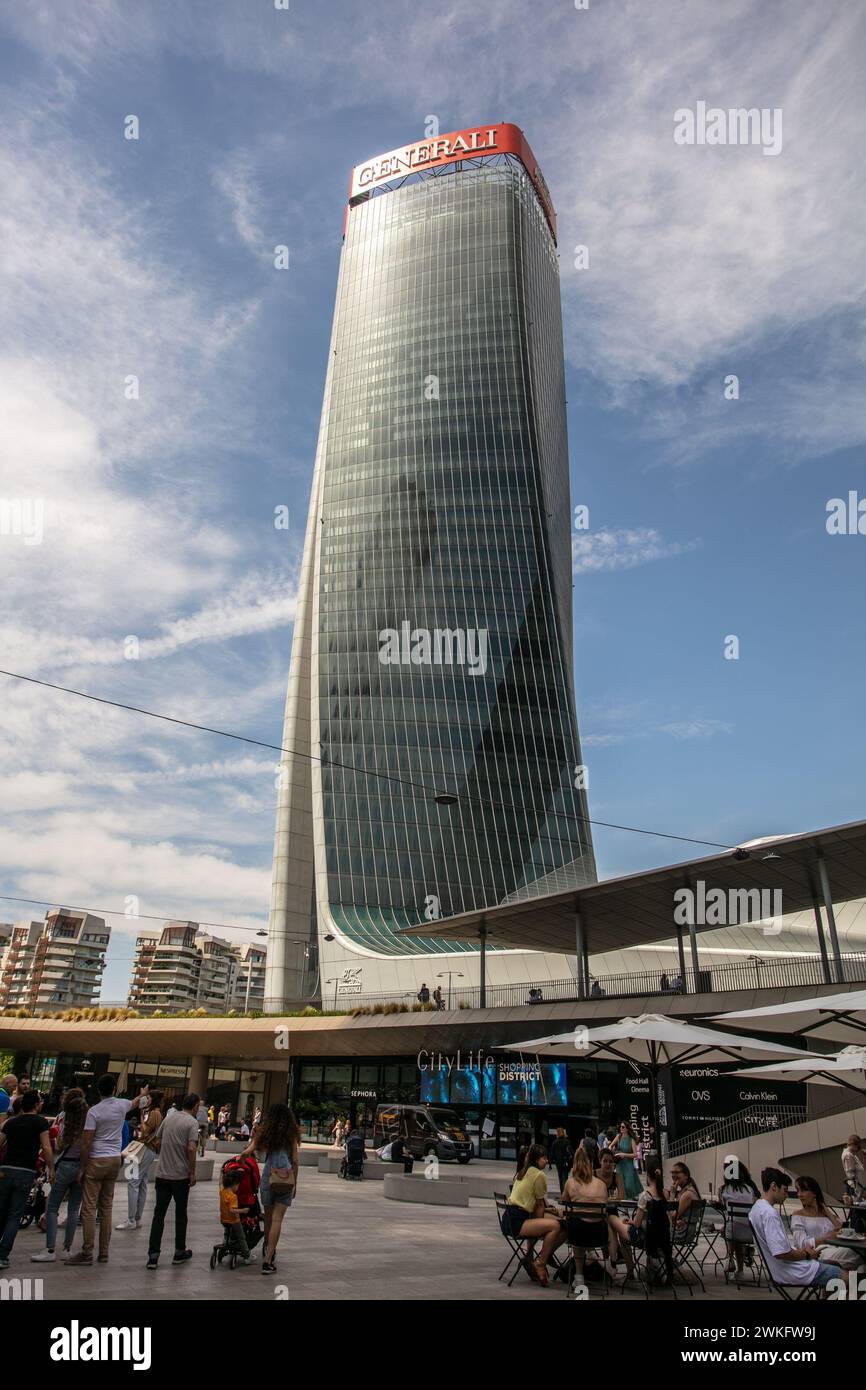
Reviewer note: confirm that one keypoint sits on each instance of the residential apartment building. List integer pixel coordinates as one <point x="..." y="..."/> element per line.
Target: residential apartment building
<point x="53" y="964"/>
<point x="183" y="967"/>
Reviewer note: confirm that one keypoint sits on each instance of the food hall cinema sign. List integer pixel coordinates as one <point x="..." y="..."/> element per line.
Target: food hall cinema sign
<point x="445" y="149"/>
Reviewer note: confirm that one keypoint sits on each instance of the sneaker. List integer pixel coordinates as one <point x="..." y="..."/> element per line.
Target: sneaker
<point x="152" y="1262"/>
<point x="4" y="1264"/>
<point x="45" y="1257"/>
<point x="181" y="1256"/>
<point x="79" y="1259"/>
<point x="129" y="1225"/>
<point x="268" y="1268"/>
<point x="102" y="1259"/>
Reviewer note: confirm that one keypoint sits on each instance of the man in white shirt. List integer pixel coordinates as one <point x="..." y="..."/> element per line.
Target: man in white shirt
<point x="854" y="1168"/>
<point x="101" y="1144"/>
<point x="788" y="1265"/>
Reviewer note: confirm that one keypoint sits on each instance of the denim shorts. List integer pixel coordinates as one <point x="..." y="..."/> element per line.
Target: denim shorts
<point x="275" y="1199"/>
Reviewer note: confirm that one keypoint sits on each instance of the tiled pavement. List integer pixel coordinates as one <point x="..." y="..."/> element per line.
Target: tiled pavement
<point x="340" y="1241"/>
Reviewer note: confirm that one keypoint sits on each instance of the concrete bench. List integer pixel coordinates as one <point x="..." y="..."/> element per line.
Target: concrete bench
<point x="475" y="1184"/>
<point x="311" y="1156"/>
<point x="230" y="1146"/>
<point x="407" y="1187"/>
<point x="330" y="1161"/>
<point x="204" y="1169"/>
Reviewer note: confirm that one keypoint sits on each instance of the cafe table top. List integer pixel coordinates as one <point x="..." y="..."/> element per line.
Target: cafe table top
<point x="850" y="1242"/>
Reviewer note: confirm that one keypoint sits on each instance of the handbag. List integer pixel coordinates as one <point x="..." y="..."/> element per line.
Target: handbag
<point x="134" y="1150"/>
<point x="281" y="1180"/>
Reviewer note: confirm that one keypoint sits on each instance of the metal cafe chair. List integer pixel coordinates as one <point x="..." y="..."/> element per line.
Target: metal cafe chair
<point x="521" y="1246"/>
<point x="590" y="1212"/>
<point x="684" y="1245"/>
<point x="518" y="1245"/>
<point x="714" y="1235"/>
<point x="736" y="1209"/>
<point x="665" y="1254"/>
<point x="792" y="1293"/>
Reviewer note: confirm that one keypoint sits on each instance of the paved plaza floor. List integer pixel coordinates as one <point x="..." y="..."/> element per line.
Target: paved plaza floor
<point x="341" y="1240"/>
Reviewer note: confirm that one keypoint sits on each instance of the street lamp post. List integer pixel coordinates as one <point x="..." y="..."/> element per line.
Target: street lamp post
<point x="336" y="983"/>
<point x="441" y="973"/>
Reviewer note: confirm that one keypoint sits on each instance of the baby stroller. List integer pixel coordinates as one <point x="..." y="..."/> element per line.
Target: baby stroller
<point x="248" y="1196"/>
<point x="353" y="1163"/>
<point x="36" y="1203"/>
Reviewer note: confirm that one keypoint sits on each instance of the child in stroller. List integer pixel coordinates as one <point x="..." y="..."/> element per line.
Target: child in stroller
<point x="352" y="1165"/>
<point x="239" y="1188"/>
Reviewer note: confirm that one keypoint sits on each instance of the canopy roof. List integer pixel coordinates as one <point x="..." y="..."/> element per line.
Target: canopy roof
<point x="656" y="1041"/>
<point x="832" y="1017"/>
<point x="847" y="1068"/>
<point x="637" y="909"/>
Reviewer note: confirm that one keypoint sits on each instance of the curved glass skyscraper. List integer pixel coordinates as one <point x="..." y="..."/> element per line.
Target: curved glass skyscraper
<point x="432" y="649"/>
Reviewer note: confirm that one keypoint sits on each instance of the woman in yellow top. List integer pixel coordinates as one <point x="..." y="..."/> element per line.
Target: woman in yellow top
<point x="526" y="1216"/>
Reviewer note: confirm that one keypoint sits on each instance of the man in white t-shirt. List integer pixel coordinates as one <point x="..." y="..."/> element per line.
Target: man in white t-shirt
<point x="788" y="1264"/>
<point x="854" y="1168"/>
<point x="101" y="1144"/>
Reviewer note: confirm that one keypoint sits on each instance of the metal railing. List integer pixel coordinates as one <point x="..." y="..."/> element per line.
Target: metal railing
<point x="755" y="1119"/>
<point x="755" y="972"/>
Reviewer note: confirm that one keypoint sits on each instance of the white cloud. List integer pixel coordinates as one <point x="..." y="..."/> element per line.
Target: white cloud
<point x="596" y="551"/>
<point x="236" y="181"/>
<point x="696" y="728"/>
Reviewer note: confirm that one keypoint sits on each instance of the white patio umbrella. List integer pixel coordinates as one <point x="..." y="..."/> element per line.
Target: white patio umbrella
<point x="847" y="1068"/>
<point x="654" y="1042"/>
<point x="839" y="1018"/>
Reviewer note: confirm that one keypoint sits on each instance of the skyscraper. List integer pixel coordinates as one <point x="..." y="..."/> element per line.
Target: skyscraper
<point x="435" y="763"/>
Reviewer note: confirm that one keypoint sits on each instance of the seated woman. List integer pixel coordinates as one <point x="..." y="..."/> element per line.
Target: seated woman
<point x="607" y="1171"/>
<point x="650" y="1229"/>
<point x="738" y="1190"/>
<point x="527" y="1216"/>
<point x="685" y="1191"/>
<point x="587" y="1230"/>
<point x="816" y="1225"/>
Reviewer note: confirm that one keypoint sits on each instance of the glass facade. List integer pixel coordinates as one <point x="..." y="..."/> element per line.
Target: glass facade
<point x="443" y="562"/>
<point x="491" y="1107"/>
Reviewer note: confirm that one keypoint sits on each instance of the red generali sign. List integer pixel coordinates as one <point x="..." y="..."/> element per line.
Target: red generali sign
<point x="445" y="149"/>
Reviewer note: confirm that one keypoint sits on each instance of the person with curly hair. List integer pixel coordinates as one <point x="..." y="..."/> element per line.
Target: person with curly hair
<point x="278" y="1139"/>
<point x="70" y="1127"/>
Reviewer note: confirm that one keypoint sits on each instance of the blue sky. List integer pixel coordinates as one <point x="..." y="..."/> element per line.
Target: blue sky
<point x="154" y="258"/>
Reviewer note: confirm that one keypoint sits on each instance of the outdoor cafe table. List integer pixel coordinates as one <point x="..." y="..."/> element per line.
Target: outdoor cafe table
<point x="857" y="1243"/>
